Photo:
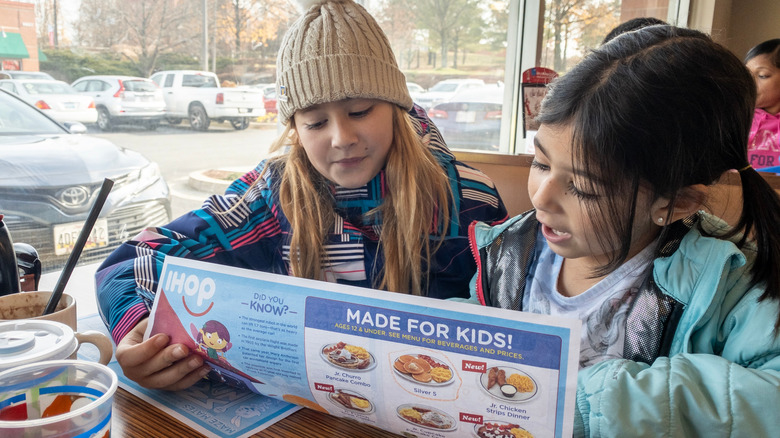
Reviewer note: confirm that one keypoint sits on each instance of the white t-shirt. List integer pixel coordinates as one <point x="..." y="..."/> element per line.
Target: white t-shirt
<point x="602" y="308"/>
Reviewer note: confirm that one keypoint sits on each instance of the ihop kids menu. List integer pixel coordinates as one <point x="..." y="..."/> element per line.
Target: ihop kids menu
<point x="412" y="365"/>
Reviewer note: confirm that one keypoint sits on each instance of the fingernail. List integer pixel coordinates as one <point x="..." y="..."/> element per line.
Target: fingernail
<point x="179" y="352"/>
<point x="161" y="341"/>
<point x="194" y="363"/>
<point x="204" y="372"/>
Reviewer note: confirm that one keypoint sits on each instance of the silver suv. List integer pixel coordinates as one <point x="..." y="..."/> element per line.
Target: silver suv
<point x="124" y="100"/>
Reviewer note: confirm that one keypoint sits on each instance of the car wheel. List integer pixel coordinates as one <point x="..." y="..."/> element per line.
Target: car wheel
<point x="199" y="120"/>
<point x="104" y="120"/>
<point x="173" y="120"/>
<point x="240" y="124"/>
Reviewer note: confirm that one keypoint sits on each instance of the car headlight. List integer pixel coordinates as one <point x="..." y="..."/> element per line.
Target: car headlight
<point x="145" y="176"/>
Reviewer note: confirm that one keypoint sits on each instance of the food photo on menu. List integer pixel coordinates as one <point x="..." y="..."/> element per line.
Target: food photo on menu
<point x="394" y="362"/>
<point x="351" y="400"/>
<point x="348" y="356"/>
<point x="427" y="417"/>
<point x="423" y="369"/>
<point x="508" y="384"/>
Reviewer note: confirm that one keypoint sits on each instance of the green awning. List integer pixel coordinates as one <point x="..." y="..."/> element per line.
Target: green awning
<point x="12" y="46"/>
<point x="42" y="56"/>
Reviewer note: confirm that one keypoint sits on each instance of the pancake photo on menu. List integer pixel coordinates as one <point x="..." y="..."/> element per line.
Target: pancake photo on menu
<point x="423" y="369"/>
<point x="350" y="357"/>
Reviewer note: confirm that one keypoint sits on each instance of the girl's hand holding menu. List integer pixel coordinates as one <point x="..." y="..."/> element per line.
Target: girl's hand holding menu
<point x="155" y="364"/>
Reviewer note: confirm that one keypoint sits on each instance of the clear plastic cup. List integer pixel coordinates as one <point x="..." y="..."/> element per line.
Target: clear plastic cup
<point x="61" y="398"/>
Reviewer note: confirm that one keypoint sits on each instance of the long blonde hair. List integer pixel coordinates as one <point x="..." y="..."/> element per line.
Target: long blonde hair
<point x="416" y="205"/>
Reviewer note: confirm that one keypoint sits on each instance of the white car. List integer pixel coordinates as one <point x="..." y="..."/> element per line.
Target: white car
<point x="415" y="90"/>
<point x="444" y="90"/>
<point x="55" y="98"/>
<point x="21" y="74"/>
<point x="124" y="100"/>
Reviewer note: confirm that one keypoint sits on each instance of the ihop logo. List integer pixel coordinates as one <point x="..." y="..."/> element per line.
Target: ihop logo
<point x="196" y="292"/>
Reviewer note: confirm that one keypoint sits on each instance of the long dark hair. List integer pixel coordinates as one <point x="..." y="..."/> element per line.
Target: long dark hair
<point x="667" y="108"/>
<point x="768" y="47"/>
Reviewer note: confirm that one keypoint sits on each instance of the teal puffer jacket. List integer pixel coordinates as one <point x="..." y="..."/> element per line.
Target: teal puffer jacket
<point x="719" y="375"/>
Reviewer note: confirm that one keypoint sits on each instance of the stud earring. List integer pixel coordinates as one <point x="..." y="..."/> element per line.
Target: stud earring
<point x="660" y="220"/>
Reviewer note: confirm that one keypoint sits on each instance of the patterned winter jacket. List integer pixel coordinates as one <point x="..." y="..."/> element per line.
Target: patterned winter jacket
<point x="246" y="228"/>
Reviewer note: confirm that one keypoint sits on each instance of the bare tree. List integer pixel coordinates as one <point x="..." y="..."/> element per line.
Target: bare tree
<point x="575" y="21"/>
<point x="394" y="20"/>
<point x="559" y="13"/>
<point x="249" y="32"/>
<point x="140" y="29"/>
<point x="442" y="18"/>
<point x="468" y="29"/>
<point x="497" y="24"/>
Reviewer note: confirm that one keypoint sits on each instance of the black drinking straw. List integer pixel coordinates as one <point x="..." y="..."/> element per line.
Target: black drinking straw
<point x="86" y="230"/>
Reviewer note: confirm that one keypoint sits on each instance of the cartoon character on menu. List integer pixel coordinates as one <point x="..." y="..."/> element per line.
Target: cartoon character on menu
<point x="213" y="339"/>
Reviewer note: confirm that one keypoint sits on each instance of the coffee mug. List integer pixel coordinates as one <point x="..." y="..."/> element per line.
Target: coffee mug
<point x="30" y="306"/>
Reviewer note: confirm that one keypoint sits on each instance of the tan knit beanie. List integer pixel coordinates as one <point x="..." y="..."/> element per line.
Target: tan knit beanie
<point x="334" y="51"/>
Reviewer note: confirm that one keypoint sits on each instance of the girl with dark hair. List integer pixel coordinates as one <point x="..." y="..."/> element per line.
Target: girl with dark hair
<point x="680" y="311"/>
<point x="364" y="192"/>
<point x="763" y="61"/>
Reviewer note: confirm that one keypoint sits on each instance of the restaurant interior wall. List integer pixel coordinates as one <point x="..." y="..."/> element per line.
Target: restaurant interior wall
<point x="752" y="21"/>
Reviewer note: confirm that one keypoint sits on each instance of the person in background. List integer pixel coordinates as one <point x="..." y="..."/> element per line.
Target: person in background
<point x="365" y="194"/>
<point x="632" y="25"/>
<point x="680" y="311"/>
<point x="763" y="61"/>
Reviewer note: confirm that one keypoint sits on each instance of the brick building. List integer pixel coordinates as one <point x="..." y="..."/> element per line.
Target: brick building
<point x="18" y="36"/>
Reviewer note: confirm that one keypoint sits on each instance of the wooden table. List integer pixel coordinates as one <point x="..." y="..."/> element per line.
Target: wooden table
<point x="134" y="417"/>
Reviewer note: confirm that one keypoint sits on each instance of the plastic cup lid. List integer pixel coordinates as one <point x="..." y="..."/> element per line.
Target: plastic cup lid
<point x="26" y="341"/>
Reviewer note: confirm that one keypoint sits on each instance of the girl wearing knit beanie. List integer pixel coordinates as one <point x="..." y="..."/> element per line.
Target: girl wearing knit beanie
<point x="366" y="193"/>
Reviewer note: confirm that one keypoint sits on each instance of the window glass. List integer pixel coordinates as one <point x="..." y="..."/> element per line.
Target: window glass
<point x="571" y="27"/>
<point x="462" y="64"/>
<point x="48" y="88"/>
<point x="139" y="86"/>
<point x="198" y="81"/>
<point x="444" y="52"/>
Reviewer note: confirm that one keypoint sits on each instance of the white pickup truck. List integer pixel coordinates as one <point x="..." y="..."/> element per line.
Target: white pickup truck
<point x="198" y="96"/>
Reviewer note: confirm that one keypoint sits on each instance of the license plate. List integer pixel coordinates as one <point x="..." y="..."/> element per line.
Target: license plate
<point x="465" y="116"/>
<point x="70" y="105"/>
<point x="244" y="110"/>
<point x="65" y="236"/>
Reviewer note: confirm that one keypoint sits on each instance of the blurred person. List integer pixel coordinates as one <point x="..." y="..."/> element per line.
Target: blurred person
<point x="763" y="61"/>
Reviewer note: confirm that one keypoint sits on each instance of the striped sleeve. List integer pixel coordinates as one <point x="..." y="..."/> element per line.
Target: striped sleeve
<point x="225" y="230"/>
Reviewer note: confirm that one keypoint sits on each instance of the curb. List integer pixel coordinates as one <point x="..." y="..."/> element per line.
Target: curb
<point x="200" y="181"/>
<point x="262" y="125"/>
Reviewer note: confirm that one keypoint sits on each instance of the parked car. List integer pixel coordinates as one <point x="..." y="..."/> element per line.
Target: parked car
<point x="122" y="100"/>
<point x="471" y="119"/>
<point x="56" y="98"/>
<point x="415" y="90"/>
<point x="199" y="97"/>
<point x="19" y="74"/>
<point x="49" y="178"/>
<point x="269" y="97"/>
<point x="445" y="90"/>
